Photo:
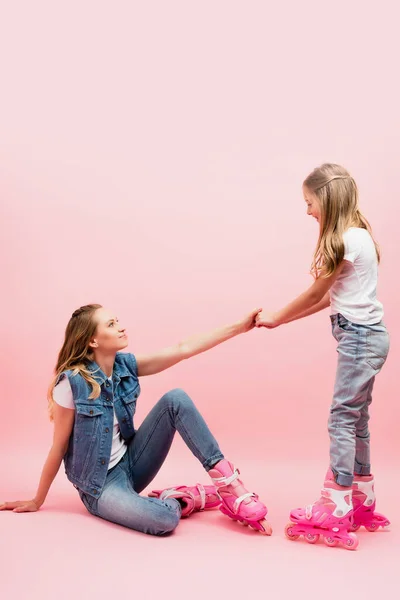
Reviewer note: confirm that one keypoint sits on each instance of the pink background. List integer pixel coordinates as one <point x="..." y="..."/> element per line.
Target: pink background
<point x="151" y="159"/>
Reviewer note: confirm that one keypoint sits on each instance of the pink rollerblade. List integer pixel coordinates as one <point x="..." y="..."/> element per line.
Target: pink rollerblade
<point x="364" y="505"/>
<point x="331" y="516"/>
<point x="192" y="499"/>
<point x="237" y="502"/>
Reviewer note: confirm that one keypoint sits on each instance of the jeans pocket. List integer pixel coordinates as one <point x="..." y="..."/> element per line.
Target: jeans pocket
<point x="345" y="325"/>
<point x="378" y="344"/>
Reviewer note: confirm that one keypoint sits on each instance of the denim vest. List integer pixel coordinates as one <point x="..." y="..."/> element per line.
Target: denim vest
<point x="89" y="449"/>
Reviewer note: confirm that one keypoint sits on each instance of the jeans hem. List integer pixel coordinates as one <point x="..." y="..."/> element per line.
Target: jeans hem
<point x="211" y="462"/>
<point x="344" y="480"/>
<point x="362" y="469"/>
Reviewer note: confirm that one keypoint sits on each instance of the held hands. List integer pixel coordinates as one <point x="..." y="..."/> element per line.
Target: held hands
<point x="268" y="320"/>
<point x="258" y="318"/>
<point x="249" y="321"/>
<point x="20" y="506"/>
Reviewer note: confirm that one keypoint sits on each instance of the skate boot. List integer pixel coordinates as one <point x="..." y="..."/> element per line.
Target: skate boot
<point x="192" y="499"/>
<point x="331" y="516"/>
<point x="237" y="503"/>
<point x="364" y="505"/>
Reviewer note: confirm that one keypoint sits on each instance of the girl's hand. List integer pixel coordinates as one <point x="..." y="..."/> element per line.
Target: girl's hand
<point x="20" y="506"/>
<point x="249" y="322"/>
<point x="268" y="320"/>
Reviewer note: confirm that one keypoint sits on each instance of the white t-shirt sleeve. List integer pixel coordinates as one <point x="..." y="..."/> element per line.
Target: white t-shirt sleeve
<point x="62" y="394"/>
<point x="352" y="244"/>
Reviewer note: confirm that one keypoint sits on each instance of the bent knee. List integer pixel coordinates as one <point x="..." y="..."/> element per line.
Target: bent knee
<point x="167" y="519"/>
<point x="177" y="398"/>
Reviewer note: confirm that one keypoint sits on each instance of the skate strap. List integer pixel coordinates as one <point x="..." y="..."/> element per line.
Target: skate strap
<point x="174" y="493"/>
<point x="202" y="494"/>
<point x="238" y="501"/>
<point x="222" y="481"/>
<point x="309" y="508"/>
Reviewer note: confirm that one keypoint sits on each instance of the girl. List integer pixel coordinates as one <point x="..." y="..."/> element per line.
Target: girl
<point x="92" y="400"/>
<point x="345" y="268"/>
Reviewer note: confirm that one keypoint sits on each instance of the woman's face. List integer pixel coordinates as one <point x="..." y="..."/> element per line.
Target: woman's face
<point x="109" y="336"/>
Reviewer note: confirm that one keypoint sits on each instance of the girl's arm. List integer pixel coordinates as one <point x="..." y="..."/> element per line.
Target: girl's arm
<point x="63" y="424"/>
<point x="302" y="304"/>
<point x="166" y="358"/>
<point x="324" y="303"/>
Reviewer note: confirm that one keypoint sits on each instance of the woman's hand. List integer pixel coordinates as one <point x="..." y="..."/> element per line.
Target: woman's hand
<point x="20" y="506"/>
<point x="249" y="321"/>
<point x="268" y="320"/>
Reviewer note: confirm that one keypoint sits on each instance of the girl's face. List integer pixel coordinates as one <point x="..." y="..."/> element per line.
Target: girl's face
<point x="313" y="206"/>
<point x="109" y="336"/>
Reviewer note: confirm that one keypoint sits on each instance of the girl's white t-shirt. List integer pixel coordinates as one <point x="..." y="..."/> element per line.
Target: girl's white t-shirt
<point x="354" y="292"/>
<point x="62" y="394"/>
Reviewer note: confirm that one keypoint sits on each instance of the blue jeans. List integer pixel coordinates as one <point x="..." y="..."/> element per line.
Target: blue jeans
<point x="362" y="350"/>
<point x="120" y="501"/>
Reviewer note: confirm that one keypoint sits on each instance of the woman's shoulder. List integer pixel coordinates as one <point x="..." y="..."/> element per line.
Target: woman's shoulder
<point x="125" y="361"/>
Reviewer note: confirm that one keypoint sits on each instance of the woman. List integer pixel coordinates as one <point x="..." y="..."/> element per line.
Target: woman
<point x="92" y="401"/>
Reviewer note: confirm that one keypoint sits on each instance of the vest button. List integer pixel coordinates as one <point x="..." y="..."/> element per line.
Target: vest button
<point x="90" y="412"/>
<point x="107" y="384"/>
<point x="94" y="491"/>
<point x="103" y="462"/>
<point x="124" y="420"/>
<point x="106" y="430"/>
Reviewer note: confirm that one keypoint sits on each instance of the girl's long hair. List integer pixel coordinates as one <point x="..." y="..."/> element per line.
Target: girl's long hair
<point x="337" y="193"/>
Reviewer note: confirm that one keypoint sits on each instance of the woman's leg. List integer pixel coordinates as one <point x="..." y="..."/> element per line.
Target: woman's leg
<point x="151" y="444"/>
<point x="152" y="441"/>
<point x="121" y="504"/>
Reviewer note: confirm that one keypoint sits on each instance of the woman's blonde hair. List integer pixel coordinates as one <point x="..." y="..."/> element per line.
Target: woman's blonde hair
<point x="76" y="352"/>
<point x="337" y="193"/>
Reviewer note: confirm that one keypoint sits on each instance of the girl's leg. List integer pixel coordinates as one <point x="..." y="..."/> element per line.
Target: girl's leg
<point x="362" y="464"/>
<point x="353" y="381"/>
<point x="152" y="441"/>
<point x="121" y="504"/>
<point x="362" y="353"/>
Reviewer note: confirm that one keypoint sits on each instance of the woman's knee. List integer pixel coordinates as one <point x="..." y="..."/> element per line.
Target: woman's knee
<point x="167" y="518"/>
<point x="177" y="399"/>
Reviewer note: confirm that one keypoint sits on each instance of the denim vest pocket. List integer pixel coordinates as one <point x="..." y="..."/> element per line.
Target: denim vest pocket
<point x="88" y="419"/>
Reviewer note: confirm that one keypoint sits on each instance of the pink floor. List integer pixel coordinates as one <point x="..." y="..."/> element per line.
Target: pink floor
<point x="62" y="551"/>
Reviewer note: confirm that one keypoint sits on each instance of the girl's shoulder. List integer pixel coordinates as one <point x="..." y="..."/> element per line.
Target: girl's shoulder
<point x="356" y="236"/>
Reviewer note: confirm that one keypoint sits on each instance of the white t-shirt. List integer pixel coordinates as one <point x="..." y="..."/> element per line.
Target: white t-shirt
<point x="62" y="394"/>
<point x="353" y="294"/>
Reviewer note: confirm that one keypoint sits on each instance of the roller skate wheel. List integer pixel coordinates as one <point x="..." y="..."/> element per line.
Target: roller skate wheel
<point x="311" y="538"/>
<point x="265" y="527"/>
<point x="289" y="532"/>
<point x="352" y="543"/>
<point x="355" y="527"/>
<point x="372" y="527"/>
<point x="330" y="541"/>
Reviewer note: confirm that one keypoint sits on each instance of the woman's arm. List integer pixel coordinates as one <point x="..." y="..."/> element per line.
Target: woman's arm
<point x="63" y="424"/>
<point x="166" y="358"/>
<point x="303" y="304"/>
